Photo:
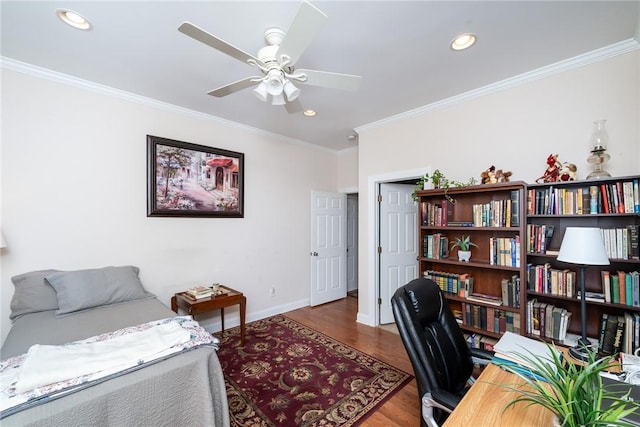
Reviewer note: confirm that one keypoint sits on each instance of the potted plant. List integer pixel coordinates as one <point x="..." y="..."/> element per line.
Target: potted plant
<point x="463" y="243"/>
<point x="438" y="180"/>
<point x="574" y="393"/>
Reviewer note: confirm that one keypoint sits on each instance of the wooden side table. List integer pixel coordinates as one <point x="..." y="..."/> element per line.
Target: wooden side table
<point x="194" y="307"/>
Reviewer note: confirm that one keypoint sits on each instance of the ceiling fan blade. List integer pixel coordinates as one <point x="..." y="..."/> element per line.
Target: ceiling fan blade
<point x="210" y="40"/>
<point x="303" y="29"/>
<point x="234" y="87"/>
<point x="331" y="80"/>
<point x="293" y="106"/>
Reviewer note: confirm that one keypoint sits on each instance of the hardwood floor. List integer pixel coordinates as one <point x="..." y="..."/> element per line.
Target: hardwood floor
<point x="338" y="320"/>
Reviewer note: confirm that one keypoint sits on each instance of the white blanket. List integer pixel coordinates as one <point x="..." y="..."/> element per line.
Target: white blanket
<point x="48" y="371"/>
<point x="48" y="364"/>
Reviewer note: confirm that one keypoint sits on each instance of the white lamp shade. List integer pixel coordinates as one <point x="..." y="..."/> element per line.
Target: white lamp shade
<point x="261" y="92"/>
<point x="583" y="245"/>
<point x="274" y="83"/>
<point x="278" y="99"/>
<point x="291" y="90"/>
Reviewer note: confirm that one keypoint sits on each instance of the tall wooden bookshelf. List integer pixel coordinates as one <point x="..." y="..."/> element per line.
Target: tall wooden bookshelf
<point x="447" y="214"/>
<point x="550" y="209"/>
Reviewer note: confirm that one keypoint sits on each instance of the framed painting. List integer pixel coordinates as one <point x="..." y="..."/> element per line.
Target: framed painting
<point x="191" y="180"/>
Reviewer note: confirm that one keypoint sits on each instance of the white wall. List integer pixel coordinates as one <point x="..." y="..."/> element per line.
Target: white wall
<point x="348" y="170"/>
<point x="514" y="129"/>
<point x="74" y="196"/>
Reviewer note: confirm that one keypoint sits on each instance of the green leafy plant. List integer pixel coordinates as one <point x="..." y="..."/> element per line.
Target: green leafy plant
<point x="439" y="180"/>
<point x="463" y="243"/>
<point x="574" y="393"/>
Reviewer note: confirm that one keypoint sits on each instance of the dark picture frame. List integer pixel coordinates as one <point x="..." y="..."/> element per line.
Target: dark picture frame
<point x="190" y="180"/>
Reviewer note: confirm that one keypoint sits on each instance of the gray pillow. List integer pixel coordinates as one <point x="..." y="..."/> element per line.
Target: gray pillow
<point x="32" y="294"/>
<point x="83" y="289"/>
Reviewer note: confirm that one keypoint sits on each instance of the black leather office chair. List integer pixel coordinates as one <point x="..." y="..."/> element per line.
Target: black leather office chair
<point x="442" y="362"/>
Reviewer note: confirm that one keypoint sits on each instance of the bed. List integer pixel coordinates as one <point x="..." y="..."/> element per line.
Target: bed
<point x="185" y="386"/>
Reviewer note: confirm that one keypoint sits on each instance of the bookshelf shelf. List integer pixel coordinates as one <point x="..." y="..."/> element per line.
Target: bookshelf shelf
<point x="611" y="204"/>
<point x="471" y="264"/>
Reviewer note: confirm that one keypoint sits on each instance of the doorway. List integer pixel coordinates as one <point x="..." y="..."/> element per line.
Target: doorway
<point x="373" y="214"/>
<point x="352" y="245"/>
<point x="398" y="248"/>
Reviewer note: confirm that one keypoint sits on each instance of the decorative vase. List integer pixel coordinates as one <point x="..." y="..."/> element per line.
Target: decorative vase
<point x="464" y="256"/>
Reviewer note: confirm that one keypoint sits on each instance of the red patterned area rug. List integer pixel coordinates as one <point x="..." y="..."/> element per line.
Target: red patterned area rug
<point x="289" y="374"/>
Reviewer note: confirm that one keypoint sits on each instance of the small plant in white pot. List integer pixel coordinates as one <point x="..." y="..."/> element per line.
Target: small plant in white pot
<point x="463" y="243"/>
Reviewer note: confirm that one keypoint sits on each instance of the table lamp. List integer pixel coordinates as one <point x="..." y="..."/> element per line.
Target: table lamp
<point x="583" y="246"/>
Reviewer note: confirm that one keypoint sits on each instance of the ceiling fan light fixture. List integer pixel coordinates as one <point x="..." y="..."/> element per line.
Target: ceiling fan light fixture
<point x="290" y="90"/>
<point x="74" y="19"/>
<point x="309" y="113"/>
<point x="463" y="41"/>
<point x="261" y="92"/>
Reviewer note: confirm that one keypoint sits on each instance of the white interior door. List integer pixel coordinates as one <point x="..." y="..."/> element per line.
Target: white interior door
<point x="328" y="247"/>
<point x="398" y="243"/>
<point x="352" y="242"/>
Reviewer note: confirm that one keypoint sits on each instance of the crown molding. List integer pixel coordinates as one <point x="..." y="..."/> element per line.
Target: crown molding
<point x="44" y="73"/>
<point x="598" y="55"/>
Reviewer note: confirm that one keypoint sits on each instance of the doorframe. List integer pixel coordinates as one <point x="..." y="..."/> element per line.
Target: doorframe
<point x="373" y="215"/>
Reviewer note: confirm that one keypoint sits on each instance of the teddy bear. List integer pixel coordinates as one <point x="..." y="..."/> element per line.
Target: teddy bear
<point x="493" y="175"/>
<point x="502" y="176"/>
<point x="567" y="172"/>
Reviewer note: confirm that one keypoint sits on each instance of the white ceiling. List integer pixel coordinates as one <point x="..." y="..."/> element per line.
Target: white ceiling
<point x="400" y="48"/>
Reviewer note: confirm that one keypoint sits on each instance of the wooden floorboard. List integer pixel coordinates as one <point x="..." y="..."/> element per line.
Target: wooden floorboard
<point x="338" y="320"/>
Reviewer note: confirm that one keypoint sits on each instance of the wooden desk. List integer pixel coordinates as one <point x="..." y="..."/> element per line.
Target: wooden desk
<point x="193" y="307"/>
<point x="484" y="403"/>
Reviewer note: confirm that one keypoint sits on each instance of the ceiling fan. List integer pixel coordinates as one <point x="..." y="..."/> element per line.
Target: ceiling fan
<point x="277" y="61"/>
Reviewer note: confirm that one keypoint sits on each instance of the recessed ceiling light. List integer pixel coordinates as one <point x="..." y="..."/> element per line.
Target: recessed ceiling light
<point x="309" y="113"/>
<point x="74" y="19"/>
<point x="463" y="41"/>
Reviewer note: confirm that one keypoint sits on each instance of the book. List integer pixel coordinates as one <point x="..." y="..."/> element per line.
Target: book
<point x="605" y="198"/>
<point x="634" y="246"/>
<point x="557" y="321"/>
<point x="564" y="324"/>
<point x="628" y="287"/>
<point x="198" y="297"/>
<point x="611" y="328"/>
<point x="615" y="288"/>
<point x="516" y="348"/>
<point x="504" y="285"/>
<point x="635" y="288"/>
<point x="199" y="292"/>
<point x="594" y="202"/>
<point x="487" y="299"/>
<point x="619" y="335"/>
<point x="627" y="191"/>
<point x="592" y="296"/>
<point x="515" y="208"/>
<point x="603" y="331"/>
<point x="606" y="285"/>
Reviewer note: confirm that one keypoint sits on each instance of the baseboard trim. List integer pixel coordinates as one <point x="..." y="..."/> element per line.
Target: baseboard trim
<point x="231" y="320"/>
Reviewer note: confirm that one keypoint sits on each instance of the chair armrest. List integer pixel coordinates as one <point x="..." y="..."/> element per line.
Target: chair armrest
<point x="437" y="399"/>
<point x="448" y="400"/>
<point x="480" y="356"/>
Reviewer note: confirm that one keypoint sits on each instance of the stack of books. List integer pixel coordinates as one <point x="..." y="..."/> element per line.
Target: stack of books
<point x="515" y="350"/>
<point x="199" y="292"/>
